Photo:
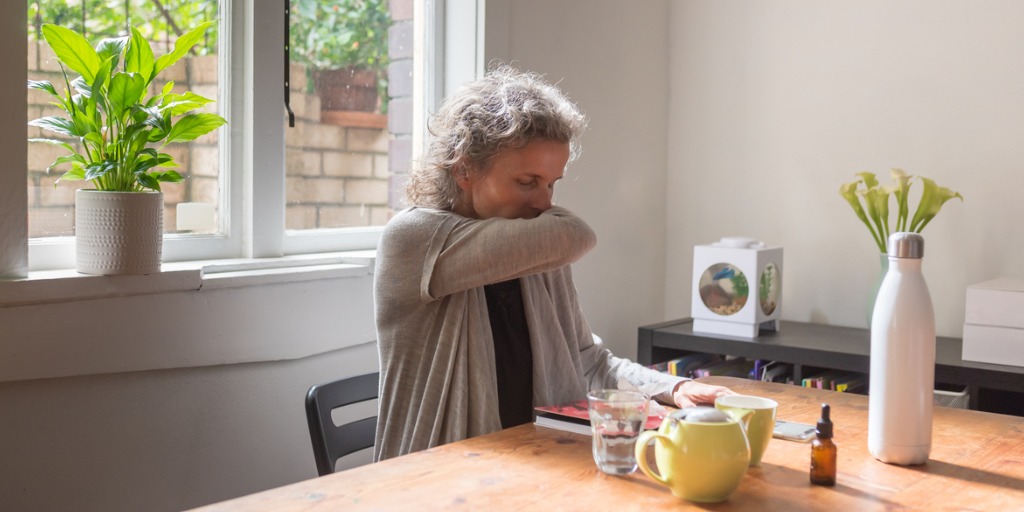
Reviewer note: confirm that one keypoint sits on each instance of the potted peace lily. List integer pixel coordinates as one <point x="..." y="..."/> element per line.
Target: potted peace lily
<point x="120" y="129"/>
<point x="870" y="202"/>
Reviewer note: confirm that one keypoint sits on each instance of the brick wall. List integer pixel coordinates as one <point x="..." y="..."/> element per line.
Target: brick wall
<point x="337" y="169"/>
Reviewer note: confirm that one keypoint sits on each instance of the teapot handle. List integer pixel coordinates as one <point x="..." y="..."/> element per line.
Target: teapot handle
<point x="641" y="454"/>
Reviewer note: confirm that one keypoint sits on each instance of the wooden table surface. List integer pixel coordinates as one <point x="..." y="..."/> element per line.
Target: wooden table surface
<point x="977" y="463"/>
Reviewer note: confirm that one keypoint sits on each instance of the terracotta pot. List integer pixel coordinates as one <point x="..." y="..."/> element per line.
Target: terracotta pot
<point x="118" y="232"/>
<point x="349" y="89"/>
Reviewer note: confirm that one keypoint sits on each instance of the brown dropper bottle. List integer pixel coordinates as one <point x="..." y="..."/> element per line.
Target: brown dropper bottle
<point x="823" y="452"/>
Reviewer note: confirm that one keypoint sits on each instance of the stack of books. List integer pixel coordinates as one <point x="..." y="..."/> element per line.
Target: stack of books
<point x="575" y="417"/>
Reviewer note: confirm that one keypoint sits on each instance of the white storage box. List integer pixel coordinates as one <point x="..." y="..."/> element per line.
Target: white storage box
<point x="999" y="302"/>
<point x="737" y="287"/>
<point x="994" y="322"/>
<point x="992" y="344"/>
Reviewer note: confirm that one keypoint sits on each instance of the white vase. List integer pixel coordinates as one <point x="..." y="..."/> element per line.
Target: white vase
<point x="118" y="232"/>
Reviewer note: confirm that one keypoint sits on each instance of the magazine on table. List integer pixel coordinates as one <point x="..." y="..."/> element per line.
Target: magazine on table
<point x="575" y="417"/>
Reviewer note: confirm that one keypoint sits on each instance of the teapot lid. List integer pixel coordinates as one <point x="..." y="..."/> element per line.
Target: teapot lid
<point x="701" y="414"/>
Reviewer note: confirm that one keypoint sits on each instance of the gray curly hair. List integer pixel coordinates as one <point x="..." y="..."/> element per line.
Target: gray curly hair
<point x="506" y="109"/>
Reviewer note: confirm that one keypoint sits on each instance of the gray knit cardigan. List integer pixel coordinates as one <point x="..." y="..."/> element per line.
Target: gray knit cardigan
<point x="436" y="352"/>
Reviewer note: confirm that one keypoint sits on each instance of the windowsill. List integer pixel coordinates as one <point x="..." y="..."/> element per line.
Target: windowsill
<point x="53" y="286"/>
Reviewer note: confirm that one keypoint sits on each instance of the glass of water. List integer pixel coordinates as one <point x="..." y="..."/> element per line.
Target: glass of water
<point x="617" y="418"/>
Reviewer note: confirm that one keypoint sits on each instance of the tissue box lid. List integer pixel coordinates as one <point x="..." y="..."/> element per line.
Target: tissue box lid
<point x="997" y="302"/>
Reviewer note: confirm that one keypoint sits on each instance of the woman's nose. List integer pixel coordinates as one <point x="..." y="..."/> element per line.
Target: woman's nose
<point x="542" y="200"/>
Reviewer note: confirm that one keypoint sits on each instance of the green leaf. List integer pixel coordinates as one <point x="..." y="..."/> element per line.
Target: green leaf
<point x="181" y="46"/>
<point x="181" y="103"/>
<point x="111" y="49"/>
<point x="43" y="85"/>
<point x="167" y="160"/>
<point x="54" y="142"/>
<point x="96" y="91"/>
<point x="72" y="50"/>
<point x="98" y="169"/>
<point x="94" y="138"/>
<point x="167" y="176"/>
<point x="126" y="89"/>
<point x="147" y="181"/>
<point x="75" y="174"/>
<point x="73" y="158"/>
<point x="56" y="125"/>
<point x="194" y="125"/>
<point x="138" y="57"/>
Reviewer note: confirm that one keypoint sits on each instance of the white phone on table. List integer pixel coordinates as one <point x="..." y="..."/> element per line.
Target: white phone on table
<point x="792" y="431"/>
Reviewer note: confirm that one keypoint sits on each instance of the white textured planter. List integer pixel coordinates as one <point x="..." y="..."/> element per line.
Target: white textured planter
<point x="118" y="232"/>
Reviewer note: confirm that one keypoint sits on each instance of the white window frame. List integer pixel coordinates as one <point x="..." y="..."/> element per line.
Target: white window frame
<point x="253" y="191"/>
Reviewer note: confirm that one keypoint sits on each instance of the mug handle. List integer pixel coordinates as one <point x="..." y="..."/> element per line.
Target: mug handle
<point x="641" y="454"/>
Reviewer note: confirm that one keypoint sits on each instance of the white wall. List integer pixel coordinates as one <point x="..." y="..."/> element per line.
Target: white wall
<point x="774" y="104"/>
<point x="202" y="402"/>
<point x="609" y="57"/>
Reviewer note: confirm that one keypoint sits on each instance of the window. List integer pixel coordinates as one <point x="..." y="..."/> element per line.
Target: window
<point x="50" y="198"/>
<point x="267" y="183"/>
<point x="336" y="154"/>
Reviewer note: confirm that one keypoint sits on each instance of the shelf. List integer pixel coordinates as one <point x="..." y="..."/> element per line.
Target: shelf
<point x="824" y="346"/>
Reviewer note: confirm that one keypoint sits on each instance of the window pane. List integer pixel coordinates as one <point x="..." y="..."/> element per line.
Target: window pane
<point x="337" y="152"/>
<point x="51" y="208"/>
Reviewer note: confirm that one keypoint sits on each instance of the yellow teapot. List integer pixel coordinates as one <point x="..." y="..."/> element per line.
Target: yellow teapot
<point x="702" y="452"/>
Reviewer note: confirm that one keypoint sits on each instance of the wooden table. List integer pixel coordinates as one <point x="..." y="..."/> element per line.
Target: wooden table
<point x="977" y="463"/>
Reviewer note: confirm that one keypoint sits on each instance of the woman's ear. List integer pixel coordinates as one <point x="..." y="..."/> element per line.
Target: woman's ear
<point x="461" y="175"/>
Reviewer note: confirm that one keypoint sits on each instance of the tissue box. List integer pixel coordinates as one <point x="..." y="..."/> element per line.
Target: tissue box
<point x="737" y="287"/>
<point x="994" y="322"/>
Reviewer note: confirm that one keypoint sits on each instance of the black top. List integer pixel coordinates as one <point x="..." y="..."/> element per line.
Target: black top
<point x="513" y="357"/>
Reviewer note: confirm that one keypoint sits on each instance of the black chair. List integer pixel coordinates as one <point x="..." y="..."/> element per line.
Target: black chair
<point x="331" y="442"/>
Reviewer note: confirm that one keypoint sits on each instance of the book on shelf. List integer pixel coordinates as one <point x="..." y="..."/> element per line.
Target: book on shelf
<point x="738" y="367"/>
<point x="685" y="366"/>
<point x="837" y="380"/>
<point x="575" y="417"/>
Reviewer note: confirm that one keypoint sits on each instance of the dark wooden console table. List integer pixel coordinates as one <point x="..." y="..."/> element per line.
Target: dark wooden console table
<point x="822" y="347"/>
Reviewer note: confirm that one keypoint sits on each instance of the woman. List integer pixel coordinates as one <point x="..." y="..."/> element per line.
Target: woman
<point x="477" y="314"/>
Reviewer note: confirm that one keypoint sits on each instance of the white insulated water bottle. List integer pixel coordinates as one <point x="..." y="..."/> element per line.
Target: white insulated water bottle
<point x="902" y="376"/>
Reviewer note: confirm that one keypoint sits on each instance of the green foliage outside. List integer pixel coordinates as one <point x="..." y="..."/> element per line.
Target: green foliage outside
<point x="340" y="34"/>
<point x="160" y="21"/>
<point x="325" y="34"/>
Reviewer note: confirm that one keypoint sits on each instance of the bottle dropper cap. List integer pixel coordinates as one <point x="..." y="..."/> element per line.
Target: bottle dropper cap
<point x="824" y="424"/>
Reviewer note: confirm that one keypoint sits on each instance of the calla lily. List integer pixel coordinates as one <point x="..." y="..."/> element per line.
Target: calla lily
<point x="932" y="199"/>
<point x="902" y="190"/>
<point x="849" y="192"/>
<point x="874" y="212"/>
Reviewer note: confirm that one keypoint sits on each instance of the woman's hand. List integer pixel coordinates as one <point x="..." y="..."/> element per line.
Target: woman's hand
<point x="690" y="393"/>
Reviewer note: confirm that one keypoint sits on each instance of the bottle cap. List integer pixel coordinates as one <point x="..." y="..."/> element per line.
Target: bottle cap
<point x="824" y="424"/>
<point x="906" y="245"/>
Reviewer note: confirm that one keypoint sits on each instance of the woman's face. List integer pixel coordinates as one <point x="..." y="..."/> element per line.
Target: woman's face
<point x="518" y="185"/>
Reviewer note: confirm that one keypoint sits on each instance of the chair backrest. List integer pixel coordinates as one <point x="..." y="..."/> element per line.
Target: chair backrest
<point x="331" y="442"/>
